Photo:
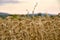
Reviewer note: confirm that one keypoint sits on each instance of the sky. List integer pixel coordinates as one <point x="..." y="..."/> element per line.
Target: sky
<point x="21" y="6"/>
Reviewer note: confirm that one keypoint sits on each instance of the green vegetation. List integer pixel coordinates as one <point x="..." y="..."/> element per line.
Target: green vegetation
<point x="23" y="27"/>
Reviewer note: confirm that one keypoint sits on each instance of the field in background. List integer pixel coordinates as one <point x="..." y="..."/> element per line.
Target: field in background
<point x="25" y="27"/>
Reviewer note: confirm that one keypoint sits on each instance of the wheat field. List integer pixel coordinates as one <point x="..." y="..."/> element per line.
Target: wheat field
<point x="30" y="28"/>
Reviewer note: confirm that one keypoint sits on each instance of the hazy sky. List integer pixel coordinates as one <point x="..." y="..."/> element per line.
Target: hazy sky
<point x="20" y="6"/>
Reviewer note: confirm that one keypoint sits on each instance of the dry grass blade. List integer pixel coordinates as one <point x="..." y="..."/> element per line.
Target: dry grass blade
<point x="27" y="28"/>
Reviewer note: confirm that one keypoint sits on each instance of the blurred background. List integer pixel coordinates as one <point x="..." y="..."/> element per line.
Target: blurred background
<point x="20" y="6"/>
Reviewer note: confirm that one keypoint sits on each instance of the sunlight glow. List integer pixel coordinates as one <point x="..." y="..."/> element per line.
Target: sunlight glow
<point x="44" y="6"/>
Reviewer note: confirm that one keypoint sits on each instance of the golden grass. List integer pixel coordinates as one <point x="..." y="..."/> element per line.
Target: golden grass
<point x="30" y="28"/>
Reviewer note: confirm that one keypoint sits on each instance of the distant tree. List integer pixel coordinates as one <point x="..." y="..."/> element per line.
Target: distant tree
<point x="39" y="14"/>
<point x="58" y="14"/>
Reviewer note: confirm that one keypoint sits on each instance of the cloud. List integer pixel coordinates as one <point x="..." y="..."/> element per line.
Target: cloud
<point x="8" y="1"/>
